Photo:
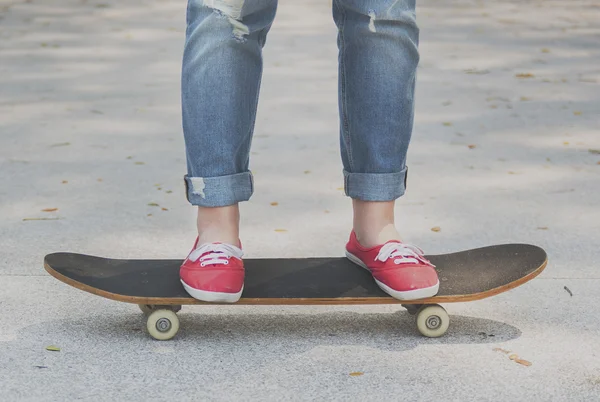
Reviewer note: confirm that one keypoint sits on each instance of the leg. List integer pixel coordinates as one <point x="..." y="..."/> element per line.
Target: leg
<point x="221" y="73"/>
<point x="378" y="57"/>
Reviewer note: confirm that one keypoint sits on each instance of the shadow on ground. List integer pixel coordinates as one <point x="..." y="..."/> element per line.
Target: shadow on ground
<point x="300" y="332"/>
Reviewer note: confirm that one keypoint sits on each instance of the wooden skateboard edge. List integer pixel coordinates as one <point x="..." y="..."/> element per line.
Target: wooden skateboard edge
<point x="297" y="301"/>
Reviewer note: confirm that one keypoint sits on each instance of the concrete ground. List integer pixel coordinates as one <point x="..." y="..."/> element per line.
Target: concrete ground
<point x="505" y="149"/>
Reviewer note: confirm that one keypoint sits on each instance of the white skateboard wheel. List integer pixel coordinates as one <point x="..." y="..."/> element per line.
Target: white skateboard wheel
<point x="162" y="324"/>
<point x="432" y="321"/>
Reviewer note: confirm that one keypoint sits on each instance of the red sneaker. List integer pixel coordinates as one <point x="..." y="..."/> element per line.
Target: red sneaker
<point x="399" y="269"/>
<point x="214" y="272"/>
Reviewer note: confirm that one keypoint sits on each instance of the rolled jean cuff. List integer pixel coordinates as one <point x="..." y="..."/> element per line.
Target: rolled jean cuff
<point x="219" y="191"/>
<point x="375" y="186"/>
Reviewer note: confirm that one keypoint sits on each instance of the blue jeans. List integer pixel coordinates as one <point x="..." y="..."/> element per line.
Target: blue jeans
<point x="221" y="75"/>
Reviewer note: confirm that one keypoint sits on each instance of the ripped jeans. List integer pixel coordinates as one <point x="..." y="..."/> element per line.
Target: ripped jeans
<point x="221" y="73"/>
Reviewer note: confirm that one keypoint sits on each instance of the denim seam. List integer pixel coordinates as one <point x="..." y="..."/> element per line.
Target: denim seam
<point x="253" y="123"/>
<point x="344" y="117"/>
<point x="261" y="41"/>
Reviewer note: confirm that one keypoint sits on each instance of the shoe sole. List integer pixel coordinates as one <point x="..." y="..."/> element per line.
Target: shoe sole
<point x="397" y="294"/>
<point x="212" y="297"/>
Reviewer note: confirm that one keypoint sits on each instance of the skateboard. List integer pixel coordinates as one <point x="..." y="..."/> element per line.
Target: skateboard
<point x="155" y="287"/>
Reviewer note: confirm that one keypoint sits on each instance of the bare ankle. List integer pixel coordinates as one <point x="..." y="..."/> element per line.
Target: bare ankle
<point x="374" y="222"/>
<point x="219" y="224"/>
<point x="370" y="236"/>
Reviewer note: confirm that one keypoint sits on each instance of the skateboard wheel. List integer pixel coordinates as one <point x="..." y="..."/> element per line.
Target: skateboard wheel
<point x="162" y="324"/>
<point x="433" y="321"/>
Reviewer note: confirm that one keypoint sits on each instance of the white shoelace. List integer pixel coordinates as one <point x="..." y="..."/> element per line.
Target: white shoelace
<point x="220" y="254"/>
<point x="408" y="254"/>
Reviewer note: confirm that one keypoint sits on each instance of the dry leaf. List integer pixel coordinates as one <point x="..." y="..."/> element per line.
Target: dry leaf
<point x="326" y="211"/>
<point x="577" y="113"/>
<point x="60" y="144"/>
<point x="149" y="215"/>
<point x="99" y="179"/>
<point x="436" y="229"/>
<point x="159" y="188"/>
<point x="598" y="163"/>
<point x="514" y="356"/>
<point x="523" y="362"/>
<point x="340" y="188"/>
<point x="153" y="204"/>
<point x="566" y="143"/>
<point x="64" y="182"/>
<point x="274" y="203"/>
<point x="497" y="98"/>
<point x="139" y="163"/>
<point x="168" y="191"/>
<point x="594" y="380"/>
<point x="53" y="348"/>
<point x="525" y="75"/>
<point x="477" y="72"/>
<point x="472" y="146"/>
<point x="447" y="123"/>
<point x="164" y="209"/>
<point x="524" y="98"/>
<point x="49" y="209"/>
<point x="281" y="230"/>
<point x="501" y="350"/>
<point x="129" y="157"/>
<point x="306" y="171"/>
<point x="493" y="106"/>
<point x="511" y="172"/>
<point x="356" y="373"/>
<point x="545" y="50"/>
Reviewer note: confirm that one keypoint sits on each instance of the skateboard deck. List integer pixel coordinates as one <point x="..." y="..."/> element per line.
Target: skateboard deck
<point x="154" y="284"/>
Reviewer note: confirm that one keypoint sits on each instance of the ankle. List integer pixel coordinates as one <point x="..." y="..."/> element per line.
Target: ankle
<point x="218" y="237"/>
<point x="219" y="224"/>
<point x="371" y="236"/>
<point x="374" y="222"/>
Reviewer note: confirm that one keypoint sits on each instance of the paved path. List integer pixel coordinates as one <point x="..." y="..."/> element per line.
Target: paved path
<point x="506" y="149"/>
